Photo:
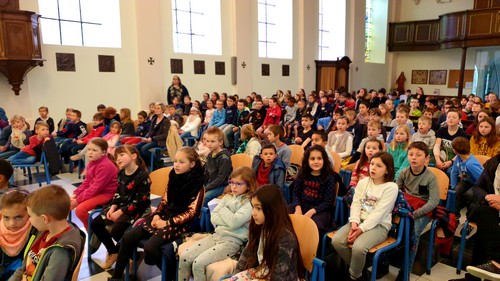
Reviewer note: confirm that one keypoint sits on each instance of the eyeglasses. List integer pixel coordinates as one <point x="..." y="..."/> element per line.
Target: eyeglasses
<point x="237" y="183"/>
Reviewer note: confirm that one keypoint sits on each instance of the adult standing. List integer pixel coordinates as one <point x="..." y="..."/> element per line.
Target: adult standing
<point x="177" y="89"/>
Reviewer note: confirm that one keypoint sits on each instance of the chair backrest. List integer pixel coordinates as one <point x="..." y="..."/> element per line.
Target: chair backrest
<point x="74" y="277"/>
<point x="240" y="160"/>
<point x="482" y="159"/>
<point x="443" y="182"/>
<point x="297" y="154"/>
<point x="159" y="180"/>
<point x="308" y="238"/>
<point x="338" y="161"/>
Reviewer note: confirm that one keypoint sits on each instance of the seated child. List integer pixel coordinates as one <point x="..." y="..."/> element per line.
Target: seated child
<point x="313" y="191"/>
<point x="301" y="110"/>
<point x="76" y="145"/>
<point x="304" y="132"/>
<point x="361" y="168"/>
<point x="6" y="172"/>
<point x="428" y="113"/>
<point x="219" y="116"/>
<point x="371" y="215"/>
<point x="402" y="118"/>
<point x="218" y="167"/>
<point x="192" y="125"/>
<point x="321" y="138"/>
<point x="111" y="137"/>
<point x="142" y="129"/>
<point x="425" y="134"/>
<point x="443" y="152"/>
<point x="290" y="112"/>
<point x="465" y="171"/>
<point x="268" y="168"/>
<point x="398" y="148"/>
<point x="354" y="128"/>
<point x="231" y="219"/>
<point x="273" y="117"/>
<point x="15" y="230"/>
<point x="19" y="137"/>
<point x="33" y="151"/>
<point x="48" y="209"/>
<point x="484" y="140"/>
<point x="373" y="131"/>
<point x="127" y="128"/>
<point x="271" y="223"/>
<point x="63" y="127"/>
<point x="284" y="153"/>
<point x="44" y="116"/>
<point x="420" y="188"/>
<point x="172" y="115"/>
<point x="250" y="144"/>
<point x="341" y="141"/>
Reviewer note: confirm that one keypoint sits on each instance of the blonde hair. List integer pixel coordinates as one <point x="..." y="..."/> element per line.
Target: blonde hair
<point x="406" y="129"/>
<point x="387" y="115"/>
<point x="126" y="116"/>
<point x="248" y="131"/>
<point x="248" y="176"/>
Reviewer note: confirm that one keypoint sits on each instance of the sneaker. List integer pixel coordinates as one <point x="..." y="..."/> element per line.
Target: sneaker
<point x="76" y="157"/>
<point x="110" y="260"/>
<point x="488" y="270"/>
<point x="468" y="277"/>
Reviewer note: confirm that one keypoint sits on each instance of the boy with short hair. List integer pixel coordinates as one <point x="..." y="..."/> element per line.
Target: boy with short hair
<point x="290" y="111"/>
<point x="373" y="131"/>
<point x="257" y="115"/>
<point x="172" y="115"/>
<point x="465" y="171"/>
<point x="33" y="151"/>
<point x="284" y="152"/>
<point x="301" y="111"/>
<point x="320" y="137"/>
<point x="425" y="134"/>
<point x="231" y="115"/>
<point x="6" y="172"/>
<point x="429" y="114"/>
<point x="44" y="116"/>
<point x="268" y="168"/>
<point x="219" y="116"/>
<point x="420" y="188"/>
<point x="71" y="148"/>
<point x="354" y="127"/>
<point x="303" y="133"/>
<point x="401" y="119"/>
<point x="233" y="137"/>
<point x="64" y="125"/>
<point x="55" y="253"/>
<point x="376" y="115"/>
<point x="218" y="167"/>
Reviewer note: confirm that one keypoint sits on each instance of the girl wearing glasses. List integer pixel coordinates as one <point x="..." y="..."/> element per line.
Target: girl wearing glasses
<point x="231" y="218"/>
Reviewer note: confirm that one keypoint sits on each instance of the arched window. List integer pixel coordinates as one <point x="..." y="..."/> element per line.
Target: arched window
<point x="275" y="25"/>
<point x="196" y="26"/>
<point x="89" y="23"/>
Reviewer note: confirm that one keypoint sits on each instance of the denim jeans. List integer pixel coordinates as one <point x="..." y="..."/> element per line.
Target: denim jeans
<point x="356" y="257"/>
<point x="213" y="193"/>
<point x="8" y="153"/>
<point x="419" y="226"/>
<point x="22" y="158"/>
<point x="144" y="150"/>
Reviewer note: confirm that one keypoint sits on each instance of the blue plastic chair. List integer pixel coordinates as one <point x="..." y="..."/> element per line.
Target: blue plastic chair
<point x="42" y="163"/>
<point x="463" y="238"/>
<point x="81" y="166"/>
<point x="155" y="152"/>
<point x="92" y="215"/>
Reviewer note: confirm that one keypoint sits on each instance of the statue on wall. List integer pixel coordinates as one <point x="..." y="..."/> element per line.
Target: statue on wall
<point x="401" y="82"/>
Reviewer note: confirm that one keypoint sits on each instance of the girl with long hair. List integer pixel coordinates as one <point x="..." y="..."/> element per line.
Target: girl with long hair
<point x="484" y="140"/>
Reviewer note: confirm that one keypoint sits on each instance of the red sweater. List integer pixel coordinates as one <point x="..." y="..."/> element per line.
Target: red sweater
<point x="273" y="116"/>
<point x="30" y="148"/>
<point x="101" y="178"/>
<point x="95" y="133"/>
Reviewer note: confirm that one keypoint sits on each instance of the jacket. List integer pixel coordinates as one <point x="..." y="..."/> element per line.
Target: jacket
<point x="218" y="118"/>
<point x="159" y="134"/>
<point x="429" y="139"/>
<point x="469" y="171"/>
<point x="484" y="184"/>
<point x="95" y="133"/>
<point x="218" y="169"/>
<point x="232" y="216"/>
<point x="400" y="158"/>
<point x="174" y="141"/>
<point x="231" y="115"/>
<point x="192" y="125"/>
<point x="59" y="260"/>
<point x="277" y="173"/>
<point x="101" y="178"/>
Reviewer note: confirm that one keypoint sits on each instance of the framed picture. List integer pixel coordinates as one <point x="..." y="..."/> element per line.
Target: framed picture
<point x="265" y="69"/>
<point x="106" y="63"/>
<point x="65" y="62"/>
<point x="176" y="66"/>
<point x="285" y="70"/>
<point x="199" y="67"/>
<point x="220" y="68"/>
<point x="419" y="76"/>
<point x="437" y="77"/>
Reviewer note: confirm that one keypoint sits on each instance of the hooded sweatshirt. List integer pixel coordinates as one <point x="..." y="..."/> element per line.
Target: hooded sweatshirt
<point x="429" y="139"/>
<point x="218" y="169"/>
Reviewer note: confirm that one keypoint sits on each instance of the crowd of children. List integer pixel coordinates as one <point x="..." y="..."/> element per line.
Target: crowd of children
<point x="251" y="217"/>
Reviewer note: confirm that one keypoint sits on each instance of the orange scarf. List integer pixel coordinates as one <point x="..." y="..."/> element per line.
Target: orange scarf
<point x="12" y="242"/>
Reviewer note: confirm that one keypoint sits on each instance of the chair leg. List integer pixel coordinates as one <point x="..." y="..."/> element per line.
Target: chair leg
<point x="323" y="246"/>
<point x="47" y="173"/>
<point x="38" y="178"/>
<point x="431" y="246"/>
<point x="30" y="177"/>
<point x="462" y="246"/>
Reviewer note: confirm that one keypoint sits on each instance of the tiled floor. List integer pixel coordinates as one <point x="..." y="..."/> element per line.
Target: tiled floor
<point x="91" y="270"/>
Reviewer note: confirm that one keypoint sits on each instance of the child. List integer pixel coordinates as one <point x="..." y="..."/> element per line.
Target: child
<point x="371" y="214"/>
<point x="321" y="138"/>
<point x="465" y="171"/>
<point x="55" y="253"/>
<point x="341" y="141"/>
<point x="376" y="116"/>
<point x="44" y="116"/>
<point x="354" y="127"/>
<point x="33" y="151"/>
<point x="179" y="206"/>
<point x="373" y="131"/>
<point x="208" y="114"/>
<point x="303" y="133"/>
<point x="414" y="111"/>
<point x="443" y="152"/>
<point x="301" y="110"/>
<point x="313" y="191"/>
<point x="127" y="123"/>
<point x="99" y="184"/>
<point x="312" y="105"/>
<point x="280" y="254"/>
<point x="360" y="170"/>
<point x="231" y="118"/>
<point x="233" y="136"/>
<point x="6" y="172"/>
<point x="77" y="130"/>
<point x="398" y="148"/>
<point x="172" y="115"/>
<point x="203" y="104"/>
<point x="15" y="230"/>
<point x="363" y="114"/>
<point x="257" y="115"/>
<point x="401" y="119"/>
<point x="386" y="117"/>
<point x="141" y="131"/>
<point x="273" y="117"/>
<point x="18" y="138"/>
<point x="187" y="105"/>
<point x="63" y="126"/>
<point x="130" y="201"/>
<point x="73" y="146"/>
<point x="424" y="133"/>
<point x="479" y="117"/>
<point x="428" y="113"/>
<point x="219" y="116"/>
<point x="420" y="188"/>
<point x="111" y="137"/>
<point x="218" y="166"/>
<point x="268" y="168"/>
<point x="284" y="153"/>
<point x="231" y="217"/>
<point x="290" y="112"/>
<point x="484" y="140"/>
<point x="192" y="125"/>
<point x="250" y="144"/>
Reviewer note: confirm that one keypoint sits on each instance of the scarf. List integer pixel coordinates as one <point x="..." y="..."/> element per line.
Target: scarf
<point x="183" y="188"/>
<point x="12" y="242"/>
<point x="17" y="137"/>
